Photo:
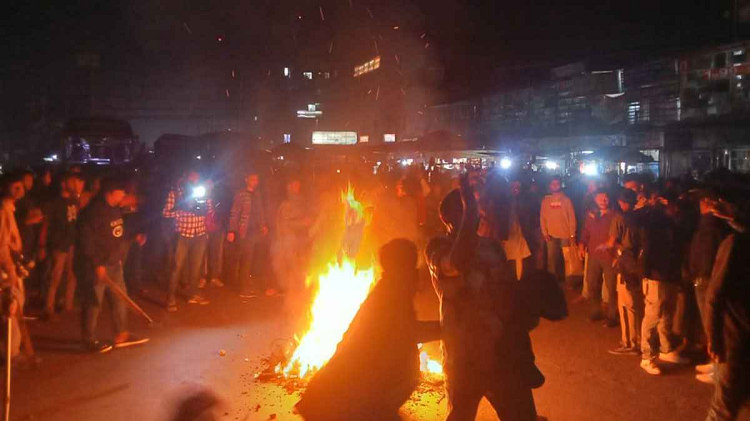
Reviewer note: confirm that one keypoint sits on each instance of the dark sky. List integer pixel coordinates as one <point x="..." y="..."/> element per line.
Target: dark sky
<point x="471" y="37"/>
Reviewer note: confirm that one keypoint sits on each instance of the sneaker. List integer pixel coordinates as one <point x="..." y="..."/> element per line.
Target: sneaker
<point x="706" y="377"/>
<point x="650" y="367"/>
<point x="201" y="283"/>
<point x="674" y="357"/>
<point x="98" y="347"/>
<point x="705" y="368"/>
<point x="197" y="299"/>
<point x="172" y="306"/>
<point x="130" y="340"/>
<point x="623" y="350"/>
<point x="217" y="283"/>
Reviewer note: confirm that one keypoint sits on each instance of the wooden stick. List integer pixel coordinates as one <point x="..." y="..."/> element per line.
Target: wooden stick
<point x="124" y="296"/>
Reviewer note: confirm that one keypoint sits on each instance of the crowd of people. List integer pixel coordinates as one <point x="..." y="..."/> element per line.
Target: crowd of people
<point x="659" y="260"/>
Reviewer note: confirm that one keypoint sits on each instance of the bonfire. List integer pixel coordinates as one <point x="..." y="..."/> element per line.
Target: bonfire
<point x="339" y="291"/>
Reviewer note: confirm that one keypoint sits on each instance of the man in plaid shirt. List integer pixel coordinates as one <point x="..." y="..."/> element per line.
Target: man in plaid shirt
<point x="190" y="225"/>
<point x="247" y="225"/>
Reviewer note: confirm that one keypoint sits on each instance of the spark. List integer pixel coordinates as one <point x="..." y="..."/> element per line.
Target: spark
<point x="187" y="28"/>
<point x="299" y="17"/>
<point x="403" y="91"/>
<point x="322" y="16"/>
<point x="377" y="50"/>
<point x="232" y="74"/>
<point x="427" y="45"/>
<point x="330" y="49"/>
<point x="370" y="13"/>
<point x="397" y="60"/>
<point x="420" y="112"/>
<point x="220" y="39"/>
<point x="395" y="28"/>
<point x="227" y="91"/>
<point x="423" y="35"/>
<point x="269" y="73"/>
<point x="377" y="94"/>
<point x="369" y="92"/>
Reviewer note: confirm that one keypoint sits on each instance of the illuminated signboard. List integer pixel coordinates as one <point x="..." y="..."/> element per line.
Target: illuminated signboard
<point x="389" y="138"/>
<point x="368" y="67"/>
<point x="334" y="138"/>
<point x="364" y="139"/>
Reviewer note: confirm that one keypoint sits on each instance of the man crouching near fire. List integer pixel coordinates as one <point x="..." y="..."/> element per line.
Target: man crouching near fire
<point x="486" y="350"/>
<point x="376" y="365"/>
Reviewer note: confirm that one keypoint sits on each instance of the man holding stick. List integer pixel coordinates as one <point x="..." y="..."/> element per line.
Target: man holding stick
<point x="104" y="246"/>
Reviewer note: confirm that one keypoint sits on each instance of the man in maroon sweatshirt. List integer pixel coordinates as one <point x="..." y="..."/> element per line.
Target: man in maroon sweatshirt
<point x="594" y="238"/>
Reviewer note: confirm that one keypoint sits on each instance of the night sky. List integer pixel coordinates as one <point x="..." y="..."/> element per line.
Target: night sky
<point x="477" y="42"/>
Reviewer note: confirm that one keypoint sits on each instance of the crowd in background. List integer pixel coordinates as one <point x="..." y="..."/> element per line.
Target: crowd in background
<point x="642" y="253"/>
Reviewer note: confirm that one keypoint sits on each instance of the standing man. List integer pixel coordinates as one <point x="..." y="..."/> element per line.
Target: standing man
<point x="558" y="223"/>
<point x="727" y="325"/>
<point x="188" y="206"/>
<point x="103" y="248"/>
<point x="594" y="238"/>
<point x="625" y="238"/>
<point x="289" y="252"/>
<point x="58" y="239"/>
<point x="486" y="346"/>
<point x="660" y="287"/>
<point x="247" y="223"/>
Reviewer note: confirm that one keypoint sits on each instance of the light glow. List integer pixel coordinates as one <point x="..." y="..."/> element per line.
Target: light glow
<point x="551" y="165"/>
<point x="505" y="163"/>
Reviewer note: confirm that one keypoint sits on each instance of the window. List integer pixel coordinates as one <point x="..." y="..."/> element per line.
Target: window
<point x="368" y="67"/>
<point x="286" y="71"/>
<point x="327" y="75"/>
<point x="287" y="138"/>
<point x="720" y="61"/>
<point x="389" y="138"/>
<point x="308" y="75"/>
<point x="739" y="57"/>
<point x="638" y="112"/>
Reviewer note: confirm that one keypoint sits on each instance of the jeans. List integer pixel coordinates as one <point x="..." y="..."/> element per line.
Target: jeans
<point x="555" y="259"/>
<point x="241" y="263"/>
<point x="93" y="303"/>
<point x="630" y="304"/>
<point x="62" y="266"/>
<point x="189" y="255"/>
<point x="595" y="271"/>
<point x="657" y="319"/>
<point x="731" y="390"/>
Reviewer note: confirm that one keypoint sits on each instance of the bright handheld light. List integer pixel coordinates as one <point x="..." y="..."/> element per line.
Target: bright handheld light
<point x="505" y="163"/>
<point x="199" y="192"/>
<point x="551" y="165"/>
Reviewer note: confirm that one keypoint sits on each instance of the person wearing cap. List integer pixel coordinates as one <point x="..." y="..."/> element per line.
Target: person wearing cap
<point x="57" y="239"/>
<point x="625" y="240"/>
<point x="103" y="244"/>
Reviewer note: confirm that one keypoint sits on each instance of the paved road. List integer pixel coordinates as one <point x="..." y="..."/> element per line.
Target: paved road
<point x="584" y="382"/>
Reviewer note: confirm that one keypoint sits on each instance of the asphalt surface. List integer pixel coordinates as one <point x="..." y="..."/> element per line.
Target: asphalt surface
<point x="584" y="382"/>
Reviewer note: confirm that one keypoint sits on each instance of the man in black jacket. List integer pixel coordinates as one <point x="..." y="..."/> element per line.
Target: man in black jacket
<point x="103" y="248"/>
<point x="661" y="274"/>
<point x="727" y="324"/>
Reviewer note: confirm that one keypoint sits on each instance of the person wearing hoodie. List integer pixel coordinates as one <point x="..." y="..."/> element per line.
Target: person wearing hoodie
<point x="376" y="365"/>
<point x="558" y="223"/>
<point x="103" y="245"/>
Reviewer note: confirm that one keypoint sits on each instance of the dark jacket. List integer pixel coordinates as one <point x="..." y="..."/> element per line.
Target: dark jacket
<point x="705" y="243"/>
<point x="658" y="258"/>
<point x="727" y="320"/>
<point x="102" y="236"/>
